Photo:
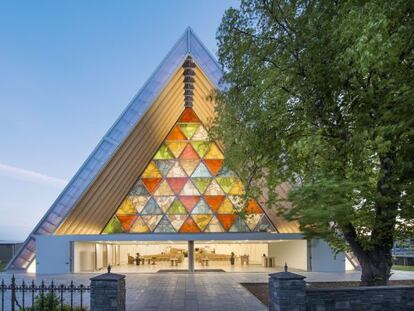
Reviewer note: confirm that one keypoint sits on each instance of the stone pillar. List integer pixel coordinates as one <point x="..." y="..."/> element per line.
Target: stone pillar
<point x="191" y="256"/>
<point x="108" y="292"/>
<point x="287" y="292"/>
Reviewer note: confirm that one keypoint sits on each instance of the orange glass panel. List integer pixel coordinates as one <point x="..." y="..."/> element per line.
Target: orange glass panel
<point x="188" y="115"/>
<point x="177" y="184"/>
<point x="176" y="134"/>
<point x="189" y="153"/>
<point x="189" y="202"/>
<point x="126" y="221"/>
<point x="214" y="201"/>
<point x="227" y="220"/>
<point x="253" y="207"/>
<point x="214" y="166"/>
<point x="151" y="183"/>
<point x="189" y="226"/>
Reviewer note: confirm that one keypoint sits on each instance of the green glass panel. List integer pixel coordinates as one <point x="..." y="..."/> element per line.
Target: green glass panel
<point x="226" y="183"/>
<point x="114" y="226"/>
<point x="177" y="208"/>
<point x="189" y="129"/>
<point x="201" y="183"/>
<point x="163" y="153"/>
<point x="201" y="147"/>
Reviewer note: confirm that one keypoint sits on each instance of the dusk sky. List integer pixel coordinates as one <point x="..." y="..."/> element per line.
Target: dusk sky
<point x="67" y="70"/>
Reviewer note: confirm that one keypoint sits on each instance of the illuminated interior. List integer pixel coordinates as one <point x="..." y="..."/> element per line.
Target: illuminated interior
<point x="186" y="189"/>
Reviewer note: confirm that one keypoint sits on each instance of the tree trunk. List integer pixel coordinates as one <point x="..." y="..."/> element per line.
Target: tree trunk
<point x="375" y="267"/>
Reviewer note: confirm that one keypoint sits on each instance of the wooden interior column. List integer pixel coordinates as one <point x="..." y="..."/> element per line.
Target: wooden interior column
<point x="191" y="256"/>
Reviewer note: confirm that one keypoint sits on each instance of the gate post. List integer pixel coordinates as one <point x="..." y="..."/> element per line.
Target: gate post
<point x="287" y="291"/>
<point x="108" y="292"/>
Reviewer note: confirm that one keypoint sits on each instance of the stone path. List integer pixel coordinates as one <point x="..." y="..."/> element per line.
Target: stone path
<point x="192" y="292"/>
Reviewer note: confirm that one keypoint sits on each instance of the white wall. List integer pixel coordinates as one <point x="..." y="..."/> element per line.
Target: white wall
<point x="84" y="257"/>
<point x="255" y="251"/>
<point x="293" y="252"/>
<point x="324" y="259"/>
<point x="52" y="255"/>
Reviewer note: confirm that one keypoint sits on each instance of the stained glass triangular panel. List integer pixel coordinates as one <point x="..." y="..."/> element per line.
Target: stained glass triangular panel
<point x="201" y="147"/>
<point x="200" y="134"/>
<point x="126" y="221"/>
<point x="201" y="208"/>
<point x="113" y="226"/>
<point x="226" y="183"/>
<point x="189" y="201"/>
<point x="163" y="153"/>
<point x="253" y="207"/>
<point x="237" y="188"/>
<point x="189" y="153"/>
<point x="189" y="189"/>
<point x="177" y="184"/>
<point x="177" y="208"/>
<point x="151" y="208"/>
<point x="151" y="183"/>
<point x="139" y="226"/>
<point x="226" y="207"/>
<point x="164" y="166"/>
<point x="164" y="202"/>
<point x="189" y="166"/>
<point x="164" y="226"/>
<point x="251" y="220"/>
<point x="239" y="226"/>
<point x="214" y="153"/>
<point x="214" y="189"/>
<point x="189" y="226"/>
<point x="152" y="220"/>
<point x="176" y="134"/>
<point x="127" y="207"/>
<point x="214" y="165"/>
<point x="140" y="201"/>
<point x="176" y="147"/>
<point x="201" y="183"/>
<point x="202" y="220"/>
<point x="177" y="221"/>
<point x="264" y="225"/>
<point x="227" y="220"/>
<point x="176" y="171"/>
<point x="214" y="226"/>
<point x="139" y="189"/>
<point x="214" y="201"/>
<point x="151" y="171"/>
<point x="188" y="115"/>
<point x="201" y="171"/>
<point x="163" y="189"/>
<point x="189" y="129"/>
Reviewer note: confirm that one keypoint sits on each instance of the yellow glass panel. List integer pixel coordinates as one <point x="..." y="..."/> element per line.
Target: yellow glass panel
<point x="151" y="171"/>
<point x="163" y="189"/>
<point x="237" y="188"/>
<point x="127" y="207"/>
<point x="189" y="165"/>
<point x="202" y="220"/>
<point x="226" y="207"/>
<point x="214" y="153"/>
<point x="176" y="147"/>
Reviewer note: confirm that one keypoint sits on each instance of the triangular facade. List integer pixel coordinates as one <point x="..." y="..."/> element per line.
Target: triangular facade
<point x="186" y="189"/>
<point x="181" y="187"/>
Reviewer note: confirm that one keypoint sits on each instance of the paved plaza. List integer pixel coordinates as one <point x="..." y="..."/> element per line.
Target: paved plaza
<point x="195" y="292"/>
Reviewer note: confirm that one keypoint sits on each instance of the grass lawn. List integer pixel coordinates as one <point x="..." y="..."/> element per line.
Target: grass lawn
<point x="403" y="268"/>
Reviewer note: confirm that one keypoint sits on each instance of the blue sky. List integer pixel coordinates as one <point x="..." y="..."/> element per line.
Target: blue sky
<point x="67" y="70"/>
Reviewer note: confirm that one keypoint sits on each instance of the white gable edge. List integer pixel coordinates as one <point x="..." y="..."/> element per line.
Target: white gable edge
<point x="188" y="44"/>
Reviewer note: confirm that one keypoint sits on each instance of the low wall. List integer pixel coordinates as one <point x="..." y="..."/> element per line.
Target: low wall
<point x="288" y="292"/>
<point x="361" y="298"/>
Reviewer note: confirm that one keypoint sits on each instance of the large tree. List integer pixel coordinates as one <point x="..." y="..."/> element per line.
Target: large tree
<point x="321" y="94"/>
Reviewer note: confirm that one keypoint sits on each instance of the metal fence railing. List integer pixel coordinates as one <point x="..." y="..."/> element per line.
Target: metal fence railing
<point x="44" y="297"/>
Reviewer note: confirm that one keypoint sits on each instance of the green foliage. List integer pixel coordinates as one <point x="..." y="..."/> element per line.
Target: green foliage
<point x="2" y="266"/>
<point x="403" y="268"/>
<point x="321" y="94"/>
<point x="50" y="302"/>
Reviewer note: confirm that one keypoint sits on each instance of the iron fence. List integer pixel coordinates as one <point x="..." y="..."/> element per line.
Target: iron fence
<point x="43" y="297"/>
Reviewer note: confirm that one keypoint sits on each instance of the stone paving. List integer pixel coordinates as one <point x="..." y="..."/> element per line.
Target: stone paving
<point x="193" y="292"/>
